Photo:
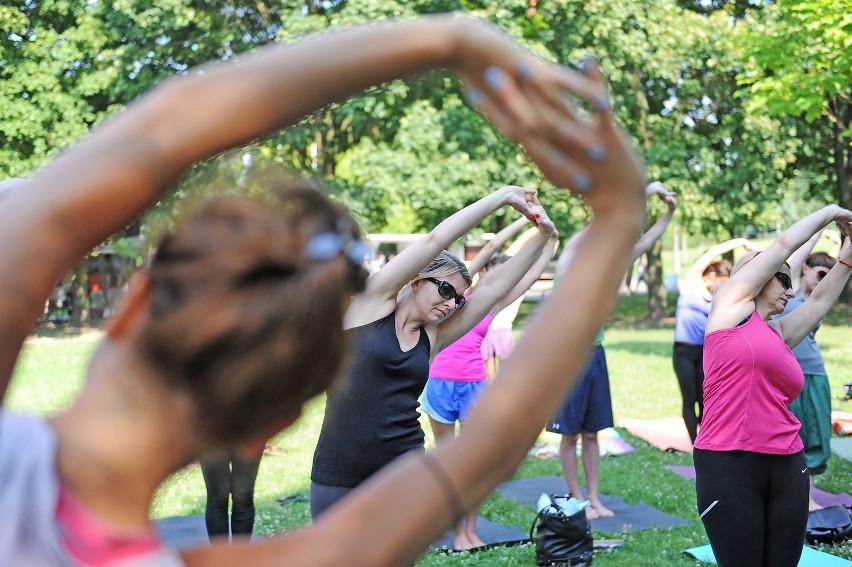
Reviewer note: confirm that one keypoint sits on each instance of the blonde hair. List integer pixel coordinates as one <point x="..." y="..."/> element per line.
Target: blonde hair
<point x="444" y="265"/>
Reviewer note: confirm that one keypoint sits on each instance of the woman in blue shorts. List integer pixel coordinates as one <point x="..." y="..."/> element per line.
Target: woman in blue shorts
<point x="457" y="375"/>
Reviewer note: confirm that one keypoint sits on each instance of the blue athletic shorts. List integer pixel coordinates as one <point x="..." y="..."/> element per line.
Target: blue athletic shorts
<point x="589" y="405"/>
<point x="448" y="401"/>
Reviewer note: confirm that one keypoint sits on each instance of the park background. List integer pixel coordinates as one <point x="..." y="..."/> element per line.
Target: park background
<point x="741" y="107"/>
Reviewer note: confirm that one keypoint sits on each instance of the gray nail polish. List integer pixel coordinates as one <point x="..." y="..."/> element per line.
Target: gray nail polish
<point x="494" y="78"/>
<point x="524" y="70"/>
<point x="596" y="153"/>
<point x="582" y="183"/>
<point x="473" y="96"/>
<point x="602" y="103"/>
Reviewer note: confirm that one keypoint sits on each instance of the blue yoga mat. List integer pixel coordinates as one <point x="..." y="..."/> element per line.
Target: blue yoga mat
<point x="810" y="557"/>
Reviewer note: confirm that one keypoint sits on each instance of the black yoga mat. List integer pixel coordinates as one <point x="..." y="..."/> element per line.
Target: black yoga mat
<point x="492" y="533"/>
<point x="628" y="517"/>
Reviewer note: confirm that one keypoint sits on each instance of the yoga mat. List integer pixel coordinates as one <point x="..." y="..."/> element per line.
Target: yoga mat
<point x="842" y="447"/>
<point x="628" y="517"/>
<point x="686" y="471"/>
<point x="828" y="499"/>
<point x="810" y="557"/>
<point x="667" y="434"/>
<point x="182" y="532"/>
<point x="492" y="533"/>
<point x="821" y="497"/>
<point x="609" y="443"/>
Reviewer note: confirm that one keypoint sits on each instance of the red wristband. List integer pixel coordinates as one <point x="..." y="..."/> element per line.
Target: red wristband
<point x="845" y="263"/>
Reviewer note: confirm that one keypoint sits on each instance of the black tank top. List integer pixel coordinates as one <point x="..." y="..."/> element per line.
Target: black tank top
<point x="372" y="417"/>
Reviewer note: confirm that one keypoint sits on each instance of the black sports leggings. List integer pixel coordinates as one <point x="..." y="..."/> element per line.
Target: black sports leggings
<point x="231" y="474"/>
<point x="688" y="366"/>
<point x="754" y="506"/>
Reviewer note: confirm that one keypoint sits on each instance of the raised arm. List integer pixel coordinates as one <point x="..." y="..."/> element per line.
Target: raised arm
<point x="129" y="162"/>
<point x="505" y="420"/>
<point x="532" y="275"/>
<point x="379" y="298"/>
<point x="647" y="240"/>
<point x="735" y="300"/>
<point x="798" y="258"/>
<point x="497" y="286"/>
<point x="795" y="326"/>
<point x="496" y="244"/>
<point x="697" y="268"/>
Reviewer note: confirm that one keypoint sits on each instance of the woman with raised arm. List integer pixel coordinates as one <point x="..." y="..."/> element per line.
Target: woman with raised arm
<point x="813" y="406"/>
<point x="751" y="474"/>
<point x="500" y="339"/>
<point x="237" y="321"/>
<point x="693" y="306"/>
<point x="398" y="325"/>
<point x="457" y="375"/>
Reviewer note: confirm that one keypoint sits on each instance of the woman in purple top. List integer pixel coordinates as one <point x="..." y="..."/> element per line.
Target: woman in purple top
<point x="751" y="476"/>
<point x="457" y="374"/>
<point x="693" y="306"/>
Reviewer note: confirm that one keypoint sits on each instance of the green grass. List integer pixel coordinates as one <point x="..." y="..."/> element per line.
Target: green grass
<point x="643" y="385"/>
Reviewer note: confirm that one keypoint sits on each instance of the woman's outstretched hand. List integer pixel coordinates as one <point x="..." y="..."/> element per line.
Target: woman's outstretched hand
<point x="535" y="103"/>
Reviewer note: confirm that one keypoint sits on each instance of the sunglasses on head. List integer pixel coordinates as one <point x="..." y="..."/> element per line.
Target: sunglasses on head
<point x="784" y="279"/>
<point x="447" y="291"/>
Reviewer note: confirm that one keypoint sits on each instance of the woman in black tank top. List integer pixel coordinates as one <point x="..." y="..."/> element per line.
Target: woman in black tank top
<point x="397" y="325"/>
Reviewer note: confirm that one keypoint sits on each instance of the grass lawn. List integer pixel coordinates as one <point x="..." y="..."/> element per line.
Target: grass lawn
<point x="643" y="385"/>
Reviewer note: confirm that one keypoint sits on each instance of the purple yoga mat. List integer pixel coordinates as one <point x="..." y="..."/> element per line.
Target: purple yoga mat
<point x="686" y="471"/>
<point x="828" y="499"/>
<point x="821" y="497"/>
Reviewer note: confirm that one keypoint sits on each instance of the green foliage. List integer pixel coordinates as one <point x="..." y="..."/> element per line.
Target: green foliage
<point x="716" y="95"/>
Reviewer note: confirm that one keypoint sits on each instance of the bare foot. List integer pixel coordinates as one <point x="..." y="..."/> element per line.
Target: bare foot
<point x="475" y="540"/>
<point x="600" y="510"/>
<point x="812" y="505"/>
<point x="462" y="543"/>
<point x="591" y="513"/>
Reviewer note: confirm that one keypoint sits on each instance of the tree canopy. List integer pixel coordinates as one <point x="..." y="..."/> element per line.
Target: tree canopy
<point x="743" y="108"/>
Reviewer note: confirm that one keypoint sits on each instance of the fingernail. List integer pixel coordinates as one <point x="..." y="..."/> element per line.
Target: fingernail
<point x="524" y="70"/>
<point x="582" y="183"/>
<point x="473" y="96"/>
<point x="602" y="103"/>
<point x="596" y="153"/>
<point x="494" y="78"/>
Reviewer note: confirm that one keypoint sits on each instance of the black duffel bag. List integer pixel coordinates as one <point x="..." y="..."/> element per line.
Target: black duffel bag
<point x="561" y="539"/>
<point x="829" y="525"/>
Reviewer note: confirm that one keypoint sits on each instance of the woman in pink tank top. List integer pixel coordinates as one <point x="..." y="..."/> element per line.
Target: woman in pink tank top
<point x="751" y="478"/>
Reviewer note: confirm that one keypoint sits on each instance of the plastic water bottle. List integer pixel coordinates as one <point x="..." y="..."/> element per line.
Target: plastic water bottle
<point x="544" y="502"/>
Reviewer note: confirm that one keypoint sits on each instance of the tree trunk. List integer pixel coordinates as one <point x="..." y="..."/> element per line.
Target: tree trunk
<point x="842" y="112"/>
<point x="80" y="296"/>
<point x="657" y="294"/>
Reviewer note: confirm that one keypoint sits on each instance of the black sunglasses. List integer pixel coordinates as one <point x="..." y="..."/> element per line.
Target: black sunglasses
<point x="447" y="291"/>
<point x="784" y="279"/>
